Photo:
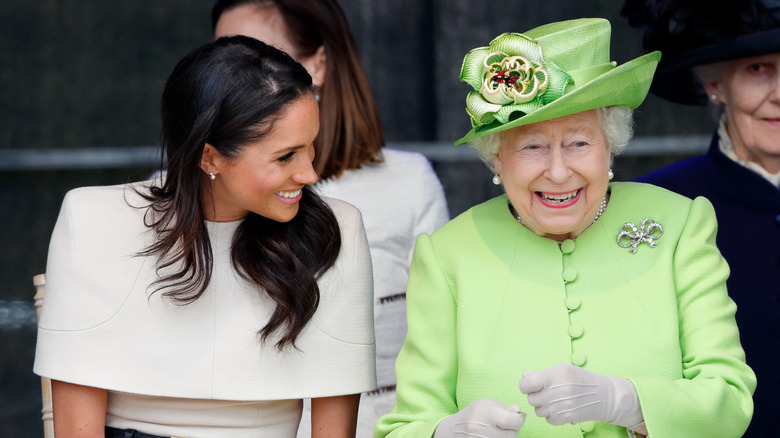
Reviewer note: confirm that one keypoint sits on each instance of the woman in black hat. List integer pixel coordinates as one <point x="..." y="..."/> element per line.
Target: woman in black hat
<point x="729" y="58"/>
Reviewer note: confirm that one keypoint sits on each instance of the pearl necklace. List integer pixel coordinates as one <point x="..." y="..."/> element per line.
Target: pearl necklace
<point x="599" y="211"/>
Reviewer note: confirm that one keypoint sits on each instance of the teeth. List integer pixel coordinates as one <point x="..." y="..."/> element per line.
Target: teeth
<point x="560" y="198"/>
<point x="288" y="194"/>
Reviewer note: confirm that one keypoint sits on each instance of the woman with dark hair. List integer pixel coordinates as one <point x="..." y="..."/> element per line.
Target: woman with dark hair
<point x="397" y="192"/>
<point x="729" y="59"/>
<point x="210" y="303"/>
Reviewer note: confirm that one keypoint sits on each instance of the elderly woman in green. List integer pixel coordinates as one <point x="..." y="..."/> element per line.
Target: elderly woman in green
<point x="604" y="302"/>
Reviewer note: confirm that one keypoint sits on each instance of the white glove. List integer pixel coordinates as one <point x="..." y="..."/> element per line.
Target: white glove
<point x="483" y="418"/>
<point x="569" y="394"/>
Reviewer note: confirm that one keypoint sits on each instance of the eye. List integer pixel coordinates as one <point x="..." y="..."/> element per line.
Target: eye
<point x="758" y="68"/>
<point x="532" y="147"/>
<point x="576" y="145"/>
<point x="286" y="157"/>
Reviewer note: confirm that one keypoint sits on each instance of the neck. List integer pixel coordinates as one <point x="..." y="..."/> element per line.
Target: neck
<point x="214" y="212"/>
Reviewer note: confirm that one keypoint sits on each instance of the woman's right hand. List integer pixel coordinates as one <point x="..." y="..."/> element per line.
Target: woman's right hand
<point x="483" y="418"/>
<point x="79" y="411"/>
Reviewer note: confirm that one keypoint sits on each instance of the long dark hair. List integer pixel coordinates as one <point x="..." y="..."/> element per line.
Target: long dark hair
<point x="350" y="128"/>
<point x="229" y="93"/>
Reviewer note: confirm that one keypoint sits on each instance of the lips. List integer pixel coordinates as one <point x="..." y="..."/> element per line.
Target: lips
<point x="773" y="121"/>
<point x="289" y="195"/>
<point x="559" y="200"/>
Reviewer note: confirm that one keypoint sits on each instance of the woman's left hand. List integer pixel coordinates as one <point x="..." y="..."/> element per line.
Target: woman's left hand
<point x="569" y="394"/>
<point x="483" y="418"/>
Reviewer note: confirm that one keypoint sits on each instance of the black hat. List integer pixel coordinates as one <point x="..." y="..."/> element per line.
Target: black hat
<point x="696" y="32"/>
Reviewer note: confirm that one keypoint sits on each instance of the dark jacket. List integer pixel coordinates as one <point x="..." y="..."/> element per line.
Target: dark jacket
<point x="748" y="210"/>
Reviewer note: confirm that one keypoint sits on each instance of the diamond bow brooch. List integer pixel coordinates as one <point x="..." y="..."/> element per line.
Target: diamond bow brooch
<point x="648" y="231"/>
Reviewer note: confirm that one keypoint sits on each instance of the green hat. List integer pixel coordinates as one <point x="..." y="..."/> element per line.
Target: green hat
<point x="552" y="71"/>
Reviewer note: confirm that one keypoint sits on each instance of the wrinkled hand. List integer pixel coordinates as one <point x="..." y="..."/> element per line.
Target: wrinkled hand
<point x="483" y="418"/>
<point x="569" y="394"/>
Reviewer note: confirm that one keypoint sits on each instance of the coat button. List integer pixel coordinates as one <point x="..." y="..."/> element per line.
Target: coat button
<point x="569" y="275"/>
<point x="567" y="246"/>
<point x="578" y="359"/>
<point x="575" y="331"/>
<point x="587" y="426"/>
<point x="573" y="303"/>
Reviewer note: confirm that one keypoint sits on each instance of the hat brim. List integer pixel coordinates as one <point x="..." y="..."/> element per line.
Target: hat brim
<point x="675" y="81"/>
<point x="626" y="84"/>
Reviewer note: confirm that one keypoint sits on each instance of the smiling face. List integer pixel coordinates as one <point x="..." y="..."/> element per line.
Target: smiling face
<point x="268" y="175"/>
<point x="555" y="173"/>
<point x="749" y="89"/>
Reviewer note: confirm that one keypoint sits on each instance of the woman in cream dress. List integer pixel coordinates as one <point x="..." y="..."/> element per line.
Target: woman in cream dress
<point x="210" y="303"/>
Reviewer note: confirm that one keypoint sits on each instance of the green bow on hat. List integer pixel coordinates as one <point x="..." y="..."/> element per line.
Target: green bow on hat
<point x="552" y="71"/>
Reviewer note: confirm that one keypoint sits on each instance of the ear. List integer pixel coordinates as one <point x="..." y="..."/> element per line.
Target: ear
<point x="497" y="164"/>
<point x="211" y="159"/>
<point x="713" y="89"/>
<point x="317" y="65"/>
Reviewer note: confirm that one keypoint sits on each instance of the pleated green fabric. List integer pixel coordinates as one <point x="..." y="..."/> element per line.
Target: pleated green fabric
<point x="551" y="71"/>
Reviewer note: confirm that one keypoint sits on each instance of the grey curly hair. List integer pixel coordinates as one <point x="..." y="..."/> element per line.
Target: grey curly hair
<point x="616" y="121"/>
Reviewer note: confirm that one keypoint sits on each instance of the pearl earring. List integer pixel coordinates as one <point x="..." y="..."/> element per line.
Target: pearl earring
<point x="610" y="174"/>
<point x="714" y="98"/>
<point x="496" y="179"/>
<point x="212" y="176"/>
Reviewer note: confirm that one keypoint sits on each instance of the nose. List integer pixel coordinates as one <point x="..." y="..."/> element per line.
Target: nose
<point x="774" y="94"/>
<point x="558" y="170"/>
<point x="305" y="173"/>
<point x="776" y="90"/>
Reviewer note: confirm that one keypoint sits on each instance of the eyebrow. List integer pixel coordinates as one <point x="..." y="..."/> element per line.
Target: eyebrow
<point x="579" y="129"/>
<point x="289" y="149"/>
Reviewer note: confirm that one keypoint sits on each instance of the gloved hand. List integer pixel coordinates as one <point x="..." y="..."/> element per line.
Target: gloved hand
<point x="569" y="394"/>
<point x="483" y="418"/>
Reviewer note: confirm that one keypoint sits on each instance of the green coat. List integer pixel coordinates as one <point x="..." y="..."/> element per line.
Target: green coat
<point x="487" y="299"/>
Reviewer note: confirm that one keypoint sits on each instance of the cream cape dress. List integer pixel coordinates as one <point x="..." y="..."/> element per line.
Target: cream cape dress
<point x="198" y="369"/>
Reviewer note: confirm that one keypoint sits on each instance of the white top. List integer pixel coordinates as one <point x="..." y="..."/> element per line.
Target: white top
<point x="399" y="199"/>
<point x="100" y="326"/>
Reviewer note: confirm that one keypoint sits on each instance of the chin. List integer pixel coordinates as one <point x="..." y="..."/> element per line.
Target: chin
<point x="283" y="216"/>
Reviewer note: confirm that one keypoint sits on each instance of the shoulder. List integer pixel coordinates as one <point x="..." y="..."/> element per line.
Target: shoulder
<point x="476" y="224"/>
<point x="399" y="168"/>
<point x="92" y="256"/>
<point x="91" y="197"/>
<point x="638" y="188"/>
<point x="106" y="197"/>
<point x="397" y="156"/>
<point x="641" y="196"/>
<point x="677" y="176"/>
<point x="104" y="207"/>
<point x="639" y="200"/>
<point x="408" y="164"/>
<point x="344" y="211"/>
<point x="348" y="216"/>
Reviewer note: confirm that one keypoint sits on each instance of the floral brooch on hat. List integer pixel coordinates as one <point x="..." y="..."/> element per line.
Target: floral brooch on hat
<point x="508" y="76"/>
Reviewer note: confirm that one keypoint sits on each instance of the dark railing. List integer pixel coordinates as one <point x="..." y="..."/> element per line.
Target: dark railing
<point x="437" y="152"/>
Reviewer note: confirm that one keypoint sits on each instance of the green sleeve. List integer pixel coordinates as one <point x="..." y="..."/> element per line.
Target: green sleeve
<point x="714" y="395"/>
<point x="426" y="367"/>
